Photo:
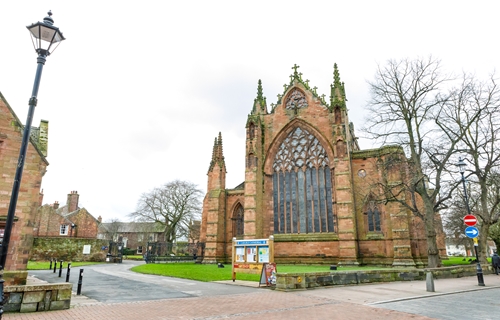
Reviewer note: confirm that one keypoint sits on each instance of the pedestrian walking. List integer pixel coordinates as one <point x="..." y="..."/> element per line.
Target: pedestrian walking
<point x="495" y="260"/>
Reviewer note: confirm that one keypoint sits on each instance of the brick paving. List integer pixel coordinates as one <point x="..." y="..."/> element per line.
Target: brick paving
<point x="260" y="304"/>
<point x="339" y="302"/>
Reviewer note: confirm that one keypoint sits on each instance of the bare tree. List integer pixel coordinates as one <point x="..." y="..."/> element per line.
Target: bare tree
<point x="481" y="141"/>
<point x="112" y="229"/>
<point x="173" y="205"/>
<point x="453" y="221"/>
<point x="411" y="108"/>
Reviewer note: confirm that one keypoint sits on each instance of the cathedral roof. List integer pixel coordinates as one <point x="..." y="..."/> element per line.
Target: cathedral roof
<point x="37" y="139"/>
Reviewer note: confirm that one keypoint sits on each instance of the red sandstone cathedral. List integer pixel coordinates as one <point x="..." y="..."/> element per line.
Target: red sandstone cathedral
<point x="309" y="185"/>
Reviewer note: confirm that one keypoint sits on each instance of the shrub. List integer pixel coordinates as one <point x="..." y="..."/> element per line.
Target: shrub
<point x="128" y="252"/>
<point x="98" y="257"/>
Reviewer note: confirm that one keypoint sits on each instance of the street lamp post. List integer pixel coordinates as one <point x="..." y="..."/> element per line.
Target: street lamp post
<point x="461" y="165"/>
<point x="43" y="35"/>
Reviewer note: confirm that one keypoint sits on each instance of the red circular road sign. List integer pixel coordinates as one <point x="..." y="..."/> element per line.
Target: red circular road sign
<point x="470" y="220"/>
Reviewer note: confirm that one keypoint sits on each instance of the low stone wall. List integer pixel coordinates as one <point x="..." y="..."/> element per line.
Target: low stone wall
<point x="68" y="249"/>
<point x="301" y="281"/>
<point x="40" y="297"/>
<point x="15" y="278"/>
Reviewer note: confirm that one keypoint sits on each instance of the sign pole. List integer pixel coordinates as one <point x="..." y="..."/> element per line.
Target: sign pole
<point x="234" y="257"/>
<point x="472" y="232"/>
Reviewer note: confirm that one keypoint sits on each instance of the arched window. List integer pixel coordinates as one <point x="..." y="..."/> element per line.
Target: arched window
<point x="238" y="221"/>
<point x="373" y="218"/>
<point x="302" y="185"/>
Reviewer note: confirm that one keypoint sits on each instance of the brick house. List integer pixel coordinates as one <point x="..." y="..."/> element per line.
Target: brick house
<point x="134" y="235"/>
<point x="30" y="197"/>
<point x="309" y="185"/>
<point x="66" y="221"/>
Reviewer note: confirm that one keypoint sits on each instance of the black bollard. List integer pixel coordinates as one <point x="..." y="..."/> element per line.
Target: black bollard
<point x="55" y="265"/>
<point x="2" y="300"/>
<point x="80" y="278"/>
<point x="67" y="272"/>
<point x="50" y="267"/>
<point x="60" y="269"/>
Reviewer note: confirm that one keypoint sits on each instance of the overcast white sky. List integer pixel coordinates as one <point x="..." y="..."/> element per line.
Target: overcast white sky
<point x="139" y="90"/>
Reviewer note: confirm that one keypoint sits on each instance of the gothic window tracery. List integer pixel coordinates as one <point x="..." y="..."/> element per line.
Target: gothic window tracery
<point x="238" y="221"/>
<point x="302" y="185"/>
<point x="296" y="100"/>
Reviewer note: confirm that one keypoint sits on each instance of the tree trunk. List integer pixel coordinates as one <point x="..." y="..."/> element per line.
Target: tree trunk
<point x="433" y="259"/>
<point x="483" y="242"/>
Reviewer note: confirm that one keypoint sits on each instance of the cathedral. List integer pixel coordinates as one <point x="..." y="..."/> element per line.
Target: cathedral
<point x="308" y="184"/>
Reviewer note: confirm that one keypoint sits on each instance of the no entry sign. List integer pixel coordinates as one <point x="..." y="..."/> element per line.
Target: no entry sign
<point x="470" y="220"/>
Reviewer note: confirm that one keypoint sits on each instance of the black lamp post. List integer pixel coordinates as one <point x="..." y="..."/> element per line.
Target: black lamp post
<point x="461" y="165"/>
<point x="43" y="35"/>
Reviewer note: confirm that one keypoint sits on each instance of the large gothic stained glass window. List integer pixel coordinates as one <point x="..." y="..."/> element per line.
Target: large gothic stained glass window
<point x="302" y="186"/>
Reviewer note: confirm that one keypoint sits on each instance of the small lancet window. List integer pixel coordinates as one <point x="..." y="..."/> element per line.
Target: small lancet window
<point x="238" y="221"/>
<point x="373" y="215"/>
<point x="251" y="131"/>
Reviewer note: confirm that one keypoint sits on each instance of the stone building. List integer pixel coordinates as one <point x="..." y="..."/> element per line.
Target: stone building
<point x="66" y="221"/>
<point x="30" y="198"/>
<point x="309" y="185"/>
<point x="134" y="235"/>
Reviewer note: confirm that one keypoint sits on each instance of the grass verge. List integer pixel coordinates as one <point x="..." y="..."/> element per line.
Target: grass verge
<point x="44" y="265"/>
<point x="210" y="272"/>
<point x="457" y="261"/>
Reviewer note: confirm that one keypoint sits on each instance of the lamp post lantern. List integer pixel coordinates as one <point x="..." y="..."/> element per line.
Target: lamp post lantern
<point x="43" y="35"/>
<point x="479" y="271"/>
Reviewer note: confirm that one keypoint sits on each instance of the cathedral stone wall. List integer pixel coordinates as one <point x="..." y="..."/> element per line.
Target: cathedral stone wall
<point x="309" y="185"/>
<point x="11" y="131"/>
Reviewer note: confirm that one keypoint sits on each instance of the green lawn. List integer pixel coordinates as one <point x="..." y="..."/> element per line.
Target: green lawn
<point x="455" y="261"/>
<point x="210" y="272"/>
<point x="133" y="257"/>
<point x="44" y="265"/>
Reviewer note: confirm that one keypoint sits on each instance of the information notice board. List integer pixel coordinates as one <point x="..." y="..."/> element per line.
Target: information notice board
<point x="250" y="255"/>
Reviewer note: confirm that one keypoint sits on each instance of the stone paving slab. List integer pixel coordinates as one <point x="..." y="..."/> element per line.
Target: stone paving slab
<point x="340" y="302"/>
<point x="260" y="304"/>
<point x="373" y="293"/>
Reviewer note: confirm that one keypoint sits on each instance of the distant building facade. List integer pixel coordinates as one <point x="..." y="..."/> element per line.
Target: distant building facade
<point x="67" y="221"/>
<point x="134" y="235"/>
<point x="310" y="186"/>
<point x="30" y="196"/>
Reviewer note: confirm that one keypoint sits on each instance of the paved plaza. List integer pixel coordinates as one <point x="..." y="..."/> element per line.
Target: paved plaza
<point x="112" y="291"/>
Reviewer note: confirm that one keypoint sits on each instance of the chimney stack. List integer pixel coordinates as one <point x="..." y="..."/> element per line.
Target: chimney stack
<point x="56" y="205"/>
<point x="72" y="201"/>
<point x="99" y="219"/>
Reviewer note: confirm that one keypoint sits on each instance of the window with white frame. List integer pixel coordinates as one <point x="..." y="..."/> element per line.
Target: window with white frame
<point x="63" y="230"/>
